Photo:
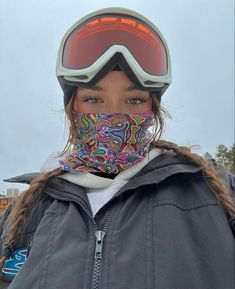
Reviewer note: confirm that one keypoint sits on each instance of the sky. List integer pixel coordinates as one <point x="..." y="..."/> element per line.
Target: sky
<point x="200" y="37"/>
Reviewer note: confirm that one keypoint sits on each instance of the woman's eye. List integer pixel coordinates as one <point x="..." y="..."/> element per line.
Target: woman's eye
<point x="132" y="100"/>
<point x="91" y="99"/>
<point x="136" y="100"/>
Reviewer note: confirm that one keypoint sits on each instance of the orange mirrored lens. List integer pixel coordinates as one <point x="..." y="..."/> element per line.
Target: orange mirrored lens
<point x="90" y="40"/>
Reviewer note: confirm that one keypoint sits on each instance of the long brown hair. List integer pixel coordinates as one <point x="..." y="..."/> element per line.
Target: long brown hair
<point x="28" y="197"/>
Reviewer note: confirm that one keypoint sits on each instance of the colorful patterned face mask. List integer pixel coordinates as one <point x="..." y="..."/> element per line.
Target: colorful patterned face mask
<point x="108" y="142"/>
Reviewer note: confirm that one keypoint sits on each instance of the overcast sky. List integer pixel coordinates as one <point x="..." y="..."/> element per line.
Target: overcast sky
<point x="200" y="36"/>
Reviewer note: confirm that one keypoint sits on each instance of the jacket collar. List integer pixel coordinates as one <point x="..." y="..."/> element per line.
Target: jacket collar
<point x="156" y="171"/>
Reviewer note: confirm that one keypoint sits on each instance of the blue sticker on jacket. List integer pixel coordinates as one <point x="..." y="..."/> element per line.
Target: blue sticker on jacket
<point x="13" y="264"/>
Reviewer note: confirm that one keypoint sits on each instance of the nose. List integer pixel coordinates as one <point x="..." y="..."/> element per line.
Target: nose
<point x="113" y="104"/>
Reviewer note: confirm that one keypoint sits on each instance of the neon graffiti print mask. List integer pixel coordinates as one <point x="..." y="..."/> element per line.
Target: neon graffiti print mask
<point x="108" y="142"/>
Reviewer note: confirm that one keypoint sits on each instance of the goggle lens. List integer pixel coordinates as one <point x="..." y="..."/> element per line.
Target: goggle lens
<point x="91" y="39"/>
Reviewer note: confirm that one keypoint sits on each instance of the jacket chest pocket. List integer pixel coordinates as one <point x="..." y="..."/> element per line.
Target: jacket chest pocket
<point x="193" y="246"/>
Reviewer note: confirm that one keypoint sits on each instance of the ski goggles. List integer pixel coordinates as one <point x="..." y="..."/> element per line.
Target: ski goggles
<point x="96" y="38"/>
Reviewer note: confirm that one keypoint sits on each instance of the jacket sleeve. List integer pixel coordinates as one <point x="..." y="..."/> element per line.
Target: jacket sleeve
<point x="229" y="180"/>
<point x="16" y="256"/>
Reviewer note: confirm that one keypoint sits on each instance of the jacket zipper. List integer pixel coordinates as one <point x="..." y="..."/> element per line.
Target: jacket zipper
<point x="29" y="247"/>
<point x="99" y="234"/>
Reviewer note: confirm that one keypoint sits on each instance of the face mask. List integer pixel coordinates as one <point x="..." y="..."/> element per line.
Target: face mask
<point x="109" y="142"/>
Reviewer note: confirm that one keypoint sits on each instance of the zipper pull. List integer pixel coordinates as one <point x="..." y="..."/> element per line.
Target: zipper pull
<point x="99" y="243"/>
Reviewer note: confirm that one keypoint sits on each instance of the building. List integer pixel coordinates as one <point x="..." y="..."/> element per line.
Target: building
<point x="11" y="193"/>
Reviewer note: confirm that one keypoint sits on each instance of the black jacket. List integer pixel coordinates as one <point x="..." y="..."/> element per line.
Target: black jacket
<point x="163" y="230"/>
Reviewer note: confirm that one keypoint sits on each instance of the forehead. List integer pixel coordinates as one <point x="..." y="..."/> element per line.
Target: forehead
<point x="125" y="88"/>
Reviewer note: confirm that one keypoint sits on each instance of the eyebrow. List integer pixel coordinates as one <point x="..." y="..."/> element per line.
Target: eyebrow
<point x="99" y="88"/>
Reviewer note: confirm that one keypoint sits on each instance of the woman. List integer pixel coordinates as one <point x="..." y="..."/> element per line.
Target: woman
<point x="121" y="208"/>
